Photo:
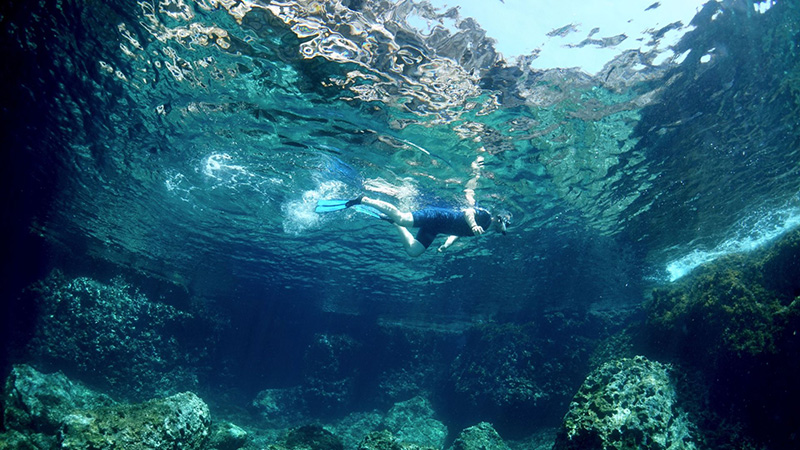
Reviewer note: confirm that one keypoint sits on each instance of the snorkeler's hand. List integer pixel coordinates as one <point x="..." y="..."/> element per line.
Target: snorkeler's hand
<point x="441" y="248"/>
<point x="478" y="230"/>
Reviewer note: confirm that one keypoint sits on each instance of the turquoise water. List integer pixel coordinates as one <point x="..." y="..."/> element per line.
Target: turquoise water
<point x="191" y="142"/>
<point x="188" y="142"/>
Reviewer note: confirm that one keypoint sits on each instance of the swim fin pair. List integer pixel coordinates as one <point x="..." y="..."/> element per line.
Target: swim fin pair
<point x="326" y="206"/>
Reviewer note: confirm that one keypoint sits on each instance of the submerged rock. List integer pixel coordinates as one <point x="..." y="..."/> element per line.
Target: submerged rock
<point x="45" y="411"/>
<point x="736" y="321"/>
<point x="227" y="436"/>
<point x="384" y="440"/>
<point x="479" y="437"/>
<point x="38" y="402"/>
<point x="629" y="403"/>
<point x="517" y="374"/>
<point x="352" y="428"/>
<point x="331" y="364"/>
<point x="312" y="437"/>
<point x="114" y="336"/>
<point x="412" y="422"/>
<point x="180" y="421"/>
<point x="281" y="408"/>
<point x="15" y="440"/>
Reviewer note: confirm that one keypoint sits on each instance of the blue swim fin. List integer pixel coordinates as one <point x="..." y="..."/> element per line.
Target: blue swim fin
<point x="324" y="206"/>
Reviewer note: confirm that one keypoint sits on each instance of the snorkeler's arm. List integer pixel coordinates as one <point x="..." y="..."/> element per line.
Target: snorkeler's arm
<point x="469" y="214"/>
<point x="447" y="243"/>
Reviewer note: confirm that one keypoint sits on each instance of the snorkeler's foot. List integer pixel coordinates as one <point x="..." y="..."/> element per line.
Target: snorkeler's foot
<point x="354" y="202"/>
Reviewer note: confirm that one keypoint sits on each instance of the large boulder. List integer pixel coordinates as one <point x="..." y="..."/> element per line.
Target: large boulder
<point x="114" y="337"/>
<point x="227" y="436"/>
<point x="37" y="402"/>
<point x="331" y="363"/>
<point x="413" y="422"/>
<point x="312" y="437"/>
<point x="479" y="437"/>
<point x="630" y="403"/>
<point x="384" y="440"/>
<point x="180" y="421"/>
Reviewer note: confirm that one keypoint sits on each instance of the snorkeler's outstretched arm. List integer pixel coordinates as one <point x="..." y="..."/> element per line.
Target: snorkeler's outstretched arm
<point x="469" y="214"/>
<point x="447" y="243"/>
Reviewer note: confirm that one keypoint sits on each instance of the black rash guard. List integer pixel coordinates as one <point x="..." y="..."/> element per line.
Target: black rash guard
<point x="434" y="221"/>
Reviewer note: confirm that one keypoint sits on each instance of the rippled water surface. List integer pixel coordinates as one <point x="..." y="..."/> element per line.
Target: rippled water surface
<point x="190" y="140"/>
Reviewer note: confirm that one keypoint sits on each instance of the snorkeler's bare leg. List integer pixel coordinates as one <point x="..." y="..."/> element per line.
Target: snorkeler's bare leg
<point x="401" y="218"/>
<point x="412" y="246"/>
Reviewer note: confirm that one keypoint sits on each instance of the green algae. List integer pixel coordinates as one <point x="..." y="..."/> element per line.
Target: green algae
<point x="630" y="403"/>
<point x="735" y="307"/>
<point x="479" y="437"/>
<point x="180" y="421"/>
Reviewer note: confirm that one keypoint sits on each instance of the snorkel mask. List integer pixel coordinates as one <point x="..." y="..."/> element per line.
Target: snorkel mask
<point x="503" y="221"/>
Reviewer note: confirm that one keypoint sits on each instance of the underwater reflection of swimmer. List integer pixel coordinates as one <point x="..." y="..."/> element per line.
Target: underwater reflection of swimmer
<point x="431" y="221"/>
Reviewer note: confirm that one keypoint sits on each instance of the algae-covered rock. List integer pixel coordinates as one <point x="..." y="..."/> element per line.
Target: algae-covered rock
<point x="312" y="437"/>
<point x="412" y="422"/>
<point x="479" y="437"/>
<point x="353" y="427"/>
<point x="499" y="366"/>
<point x="180" y="421"/>
<point x="517" y="373"/>
<point x="15" y="440"/>
<point x="379" y="440"/>
<point x="736" y="321"/>
<point x="227" y="436"/>
<point x="115" y="337"/>
<point x="629" y="403"/>
<point x="737" y="307"/>
<point x="37" y="402"/>
<point x="332" y="363"/>
<point x="384" y="440"/>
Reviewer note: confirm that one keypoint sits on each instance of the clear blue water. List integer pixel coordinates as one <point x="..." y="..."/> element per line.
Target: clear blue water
<point x="189" y="141"/>
<point x="192" y="145"/>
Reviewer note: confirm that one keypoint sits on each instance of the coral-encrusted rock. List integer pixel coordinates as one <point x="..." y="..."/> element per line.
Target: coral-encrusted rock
<point x="626" y="404"/>
<point x="412" y="422"/>
<point x="180" y="421"/>
<point x="37" y="402"/>
<point x="479" y="437"/>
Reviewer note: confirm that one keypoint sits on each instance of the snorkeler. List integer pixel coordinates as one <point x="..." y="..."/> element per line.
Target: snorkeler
<point x="431" y="221"/>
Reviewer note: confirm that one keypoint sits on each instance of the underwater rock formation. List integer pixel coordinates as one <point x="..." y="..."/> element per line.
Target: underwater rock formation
<point x="629" y="403"/>
<point x="331" y="367"/>
<point x="412" y="422"/>
<point x="43" y="411"/>
<point x="384" y="440"/>
<point x="281" y="408"/>
<point x="114" y="337"/>
<point x="732" y="309"/>
<point x="180" y="421"/>
<point x="38" y="402"/>
<point x="736" y="321"/>
<point x="227" y="436"/>
<point x="479" y="437"/>
<point x="311" y="437"/>
<point x="35" y="405"/>
<point x="514" y="374"/>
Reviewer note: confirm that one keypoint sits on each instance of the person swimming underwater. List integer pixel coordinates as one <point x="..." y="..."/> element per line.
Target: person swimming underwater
<point x="431" y="221"/>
